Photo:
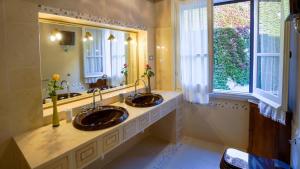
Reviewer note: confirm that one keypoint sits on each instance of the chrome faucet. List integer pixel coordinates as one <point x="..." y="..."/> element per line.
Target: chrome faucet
<point x="68" y="87"/>
<point x="135" y="91"/>
<point x="94" y="97"/>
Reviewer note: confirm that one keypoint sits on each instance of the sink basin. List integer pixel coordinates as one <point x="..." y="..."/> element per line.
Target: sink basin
<point x="144" y="100"/>
<point x="65" y="95"/>
<point x="100" y="118"/>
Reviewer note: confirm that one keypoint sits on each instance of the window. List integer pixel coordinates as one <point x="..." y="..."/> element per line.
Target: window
<point x="231" y="69"/>
<point x="268" y="58"/>
<point x="93" y="54"/>
<point x="250" y="52"/>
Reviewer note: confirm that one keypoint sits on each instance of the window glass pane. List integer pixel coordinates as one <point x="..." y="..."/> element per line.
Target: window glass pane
<point x="269" y="20"/>
<point x="268" y="51"/>
<point x="268" y="73"/>
<point x="232" y="47"/>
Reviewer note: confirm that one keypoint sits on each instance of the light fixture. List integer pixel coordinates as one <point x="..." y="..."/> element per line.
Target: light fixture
<point x="128" y="40"/>
<point x="87" y="36"/>
<point x="55" y="35"/>
<point x="111" y="37"/>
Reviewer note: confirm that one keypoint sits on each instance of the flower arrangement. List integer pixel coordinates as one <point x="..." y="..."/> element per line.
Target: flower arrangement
<point x="148" y="74"/>
<point x="53" y="86"/>
<point x="125" y="72"/>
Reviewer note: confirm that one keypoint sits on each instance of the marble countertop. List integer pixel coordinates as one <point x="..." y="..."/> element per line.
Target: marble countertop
<point x="47" y="143"/>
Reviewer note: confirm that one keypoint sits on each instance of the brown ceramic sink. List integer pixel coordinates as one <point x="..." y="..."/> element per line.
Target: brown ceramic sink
<point x="64" y="96"/>
<point x="144" y="100"/>
<point x="100" y="118"/>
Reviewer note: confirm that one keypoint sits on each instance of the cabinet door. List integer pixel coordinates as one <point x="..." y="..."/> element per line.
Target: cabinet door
<point x="268" y="138"/>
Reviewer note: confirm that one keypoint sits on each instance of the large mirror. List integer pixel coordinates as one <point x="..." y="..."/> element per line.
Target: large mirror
<point x="86" y="58"/>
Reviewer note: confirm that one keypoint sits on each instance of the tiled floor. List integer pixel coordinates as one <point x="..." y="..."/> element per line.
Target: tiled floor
<point x="153" y="153"/>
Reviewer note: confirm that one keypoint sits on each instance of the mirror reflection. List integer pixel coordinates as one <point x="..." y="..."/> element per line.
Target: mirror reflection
<point x="86" y="58"/>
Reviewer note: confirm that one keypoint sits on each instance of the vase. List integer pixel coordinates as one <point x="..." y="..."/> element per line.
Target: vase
<point x="126" y="79"/>
<point x="149" y="85"/>
<point x="55" y="118"/>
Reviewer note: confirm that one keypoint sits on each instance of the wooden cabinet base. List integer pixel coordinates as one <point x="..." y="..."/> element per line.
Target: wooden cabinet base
<point x="268" y="138"/>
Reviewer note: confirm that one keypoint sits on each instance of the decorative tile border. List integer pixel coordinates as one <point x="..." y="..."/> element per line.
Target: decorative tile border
<point x="88" y="17"/>
<point x="233" y="105"/>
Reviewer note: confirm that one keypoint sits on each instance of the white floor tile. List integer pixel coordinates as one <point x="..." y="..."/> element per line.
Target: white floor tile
<point x="191" y="154"/>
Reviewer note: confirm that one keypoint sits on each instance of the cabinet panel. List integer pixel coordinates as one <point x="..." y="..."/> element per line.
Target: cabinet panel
<point x="155" y="115"/>
<point x="62" y="163"/>
<point x="130" y="130"/>
<point x="86" y="154"/>
<point x="111" y="140"/>
<point x="168" y="107"/>
<point x="144" y="121"/>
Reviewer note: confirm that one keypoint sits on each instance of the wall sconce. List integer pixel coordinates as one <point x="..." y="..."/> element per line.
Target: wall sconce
<point x="55" y="35"/>
<point x="88" y="36"/>
<point x="128" y="40"/>
<point x="111" y="37"/>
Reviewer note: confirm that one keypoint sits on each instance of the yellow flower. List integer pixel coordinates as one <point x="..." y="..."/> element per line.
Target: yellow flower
<point x="56" y="77"/>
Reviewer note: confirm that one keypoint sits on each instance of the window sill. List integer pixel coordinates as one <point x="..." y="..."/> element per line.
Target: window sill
<point x="234" y="96"/>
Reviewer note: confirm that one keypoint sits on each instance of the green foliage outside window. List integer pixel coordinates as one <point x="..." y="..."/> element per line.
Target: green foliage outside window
<point x="231" y="45"/>
<point x="231" y="58"/>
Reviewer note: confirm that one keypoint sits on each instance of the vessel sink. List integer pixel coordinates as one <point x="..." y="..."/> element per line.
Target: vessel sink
<point x="65" y="95"/>
<point x="144" y="100"/>
<point x="100" y="118"/>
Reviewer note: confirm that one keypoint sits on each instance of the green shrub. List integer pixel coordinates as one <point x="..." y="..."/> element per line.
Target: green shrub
<point x="231" y="56"/>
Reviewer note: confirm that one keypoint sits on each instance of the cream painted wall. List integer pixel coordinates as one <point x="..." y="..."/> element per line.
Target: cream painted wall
<point x="165" y="63"/>
<point x="225" y="122"/>
<point x="20" y="83"/>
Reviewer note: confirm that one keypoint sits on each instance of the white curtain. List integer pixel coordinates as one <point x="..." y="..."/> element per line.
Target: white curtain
<point x="193" y="42"/>
<point x="270" y="112"/>
<point x="118" y="59"/>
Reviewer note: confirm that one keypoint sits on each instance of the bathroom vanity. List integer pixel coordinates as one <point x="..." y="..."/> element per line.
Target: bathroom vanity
<point x="66" y="147"/>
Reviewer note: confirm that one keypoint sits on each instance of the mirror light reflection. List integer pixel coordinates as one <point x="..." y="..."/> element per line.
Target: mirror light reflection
<point x="86" y="58"/>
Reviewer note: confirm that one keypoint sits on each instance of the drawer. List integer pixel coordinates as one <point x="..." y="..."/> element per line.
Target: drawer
<point x="155" y="115"/>
<point x="168" y="107"/>
<point x="144" y="121"/>
<point x="62" y="163"/>
<point x="86" y="154"/>
<point x="111" y="140"/>
<point x="130" y="130"/>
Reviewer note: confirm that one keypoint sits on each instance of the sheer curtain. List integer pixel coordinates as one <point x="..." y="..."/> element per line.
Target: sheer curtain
<point x="193" y="44"/>
<point x="118" y="58"/>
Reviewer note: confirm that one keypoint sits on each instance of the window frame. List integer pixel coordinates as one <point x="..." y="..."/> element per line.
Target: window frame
<point x="264" y="96"/>
<point x="229" y="92"/>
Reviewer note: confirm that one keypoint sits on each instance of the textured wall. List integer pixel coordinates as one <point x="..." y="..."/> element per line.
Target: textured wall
<point x="20" y="83"/>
